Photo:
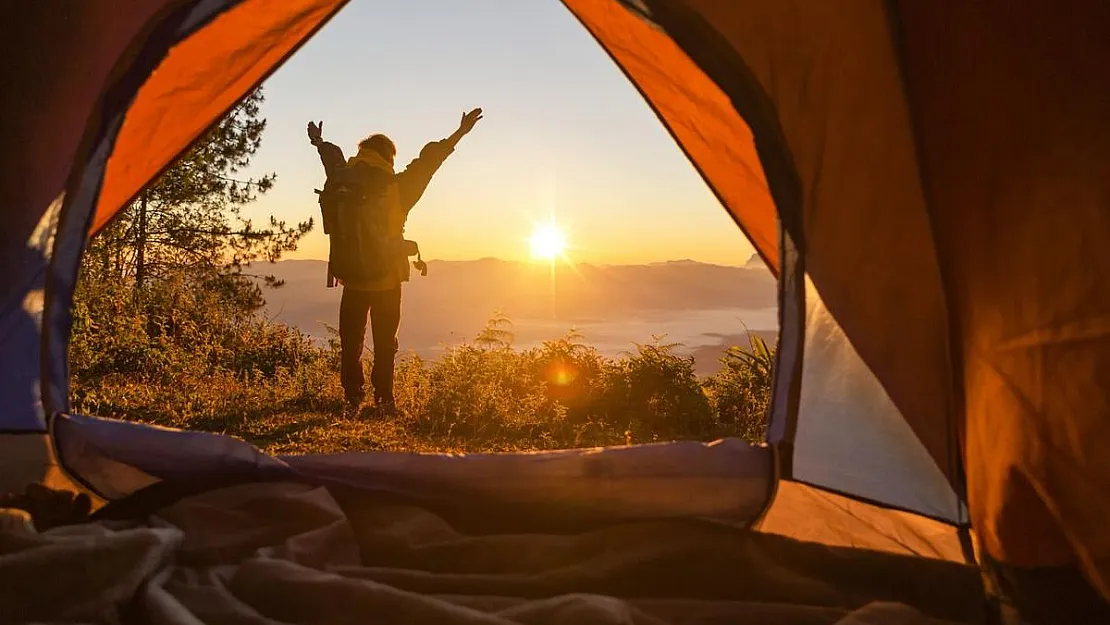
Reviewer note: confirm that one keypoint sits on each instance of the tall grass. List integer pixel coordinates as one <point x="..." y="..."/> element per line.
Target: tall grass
<point x="190" y="353"/>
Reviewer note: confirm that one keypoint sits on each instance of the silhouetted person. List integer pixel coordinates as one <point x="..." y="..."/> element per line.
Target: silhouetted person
<point x="376" y="226"/>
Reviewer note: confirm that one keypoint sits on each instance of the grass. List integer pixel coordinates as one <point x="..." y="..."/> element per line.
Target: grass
<point x="184" y="355"/>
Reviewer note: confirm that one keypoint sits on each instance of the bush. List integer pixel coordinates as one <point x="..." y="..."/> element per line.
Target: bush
<point x="189" y="351"/>
<point x="656" y="394"/>
<point x="192" y="352"/>
<point x="572" y="374"/>
<point x="740" y="393"/>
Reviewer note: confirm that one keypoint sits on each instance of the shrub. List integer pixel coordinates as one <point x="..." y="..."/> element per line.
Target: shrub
<point x="571" y="373"/>
<point x="191" y="351"/>
<point x="483" y="391"/>
<point x="740" y="393"/>
<point x="656" y="394"/>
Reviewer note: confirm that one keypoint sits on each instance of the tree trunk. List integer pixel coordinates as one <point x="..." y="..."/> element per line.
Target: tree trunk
<point x="140" y="245"/>
<point x="105" y="262"/>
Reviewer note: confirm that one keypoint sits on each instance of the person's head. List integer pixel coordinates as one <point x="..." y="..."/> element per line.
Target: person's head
<point x="380" y="144"/>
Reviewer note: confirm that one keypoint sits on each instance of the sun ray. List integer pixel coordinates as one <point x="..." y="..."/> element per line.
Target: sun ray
<point x="548" y="242"/>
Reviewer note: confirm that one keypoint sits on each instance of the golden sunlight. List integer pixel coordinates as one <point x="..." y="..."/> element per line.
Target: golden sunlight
<point x="548" y="242"/>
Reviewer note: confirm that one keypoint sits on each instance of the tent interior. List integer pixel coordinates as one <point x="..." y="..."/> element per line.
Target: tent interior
<point x="929" y="183"/>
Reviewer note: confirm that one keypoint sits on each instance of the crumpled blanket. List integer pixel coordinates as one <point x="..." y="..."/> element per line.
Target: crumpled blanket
<point x="269" y="553"/>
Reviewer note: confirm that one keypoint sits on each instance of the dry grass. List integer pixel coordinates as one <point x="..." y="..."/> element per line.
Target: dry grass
<point x="186" y="356"/>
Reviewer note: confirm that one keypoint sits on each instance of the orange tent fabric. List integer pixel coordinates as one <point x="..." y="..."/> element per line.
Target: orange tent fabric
<point x="44" y="119"/>
<point x="696" y="112"/>
<point x="986" y="252"/>
<point x="1012" y="105"/>
<point x="197" y="83"/>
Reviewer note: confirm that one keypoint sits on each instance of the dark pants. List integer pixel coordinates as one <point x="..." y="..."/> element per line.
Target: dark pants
<point x="385" y="318"/>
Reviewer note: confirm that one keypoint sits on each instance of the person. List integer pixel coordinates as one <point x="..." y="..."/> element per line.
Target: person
<point x="394" y="195"/>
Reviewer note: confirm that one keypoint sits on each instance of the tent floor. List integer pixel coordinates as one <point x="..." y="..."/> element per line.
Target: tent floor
<point x="295" y="553"/>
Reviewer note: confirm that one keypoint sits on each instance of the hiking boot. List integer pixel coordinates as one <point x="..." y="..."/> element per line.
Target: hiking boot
<point x="351" y="405"/>
<point x="386" y="409"/>
<point x="354" y="400"/>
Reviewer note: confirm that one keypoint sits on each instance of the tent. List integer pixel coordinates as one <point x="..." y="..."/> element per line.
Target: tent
<point x="929" y="181"/>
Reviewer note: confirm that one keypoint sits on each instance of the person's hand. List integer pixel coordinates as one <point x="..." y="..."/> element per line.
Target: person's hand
<point x="314" y="132"/>
<point x="469" y="119"/>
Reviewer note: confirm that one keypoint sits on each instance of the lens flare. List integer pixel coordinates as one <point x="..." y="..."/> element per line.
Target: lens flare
<point x="561" y="373"/>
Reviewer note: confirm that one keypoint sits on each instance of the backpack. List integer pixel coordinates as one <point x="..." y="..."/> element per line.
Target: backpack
<point x="354" y="218"/>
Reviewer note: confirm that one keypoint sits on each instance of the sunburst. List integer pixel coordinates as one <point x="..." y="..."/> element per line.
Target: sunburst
<point x="548" y="242"/>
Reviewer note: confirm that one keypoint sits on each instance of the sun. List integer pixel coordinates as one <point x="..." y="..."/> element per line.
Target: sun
<point x="548" y="241"/>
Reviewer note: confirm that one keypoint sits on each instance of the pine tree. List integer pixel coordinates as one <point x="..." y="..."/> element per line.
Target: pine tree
<point x="191" y="219"/>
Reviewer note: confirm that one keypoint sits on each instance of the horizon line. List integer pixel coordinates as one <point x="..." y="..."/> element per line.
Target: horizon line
<point x="747" y="265"/>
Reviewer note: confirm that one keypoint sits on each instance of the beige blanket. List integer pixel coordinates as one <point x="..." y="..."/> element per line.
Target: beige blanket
<point x="289" y="553"/>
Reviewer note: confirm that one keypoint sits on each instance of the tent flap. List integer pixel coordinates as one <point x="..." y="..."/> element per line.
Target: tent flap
<point x="42" y="125"/>
<point x="1011" y="104"/>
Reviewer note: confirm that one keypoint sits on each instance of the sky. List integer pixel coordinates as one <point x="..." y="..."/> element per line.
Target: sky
<point x="565" y="135"/>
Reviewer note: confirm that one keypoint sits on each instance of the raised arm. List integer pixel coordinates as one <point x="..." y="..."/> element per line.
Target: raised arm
<point x="466" y="124"/>
<point x="331" y="155"/>
<point x="414" y="180"/>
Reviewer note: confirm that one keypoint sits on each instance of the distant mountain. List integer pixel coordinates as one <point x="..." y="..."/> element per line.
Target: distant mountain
<point x="700" y="304"/>
<point x="755" y="262"/>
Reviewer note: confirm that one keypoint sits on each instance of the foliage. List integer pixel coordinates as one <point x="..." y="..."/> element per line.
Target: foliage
<point x="184" y="324"/>
<point x="740" y="392"/>
<point x="191" y="217"/>
<point x="654" y="391"/>
<point x="572" y="373"/>
<point x="191" y="353"/>
<point x="498" y="333"/>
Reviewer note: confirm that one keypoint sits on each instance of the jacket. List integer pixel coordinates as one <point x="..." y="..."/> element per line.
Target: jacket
<point x="400" y="191"/>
